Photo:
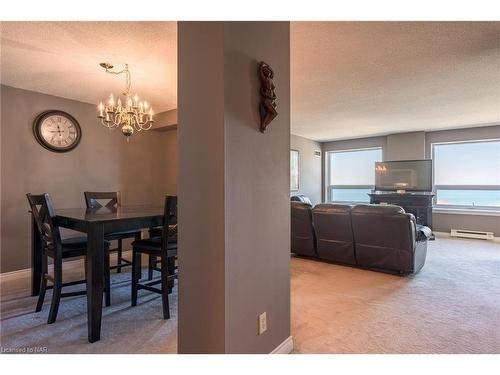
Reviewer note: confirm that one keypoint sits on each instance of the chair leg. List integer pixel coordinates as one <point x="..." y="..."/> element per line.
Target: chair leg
<point x="43" y="284"/>
<point x="56" y="291"/>
<point x="151" y="264"/>
<point x="119" y="254"/>
<point x="135" y="276"/>
<point x="107" y="278"/>
<point x="164" y="287"/>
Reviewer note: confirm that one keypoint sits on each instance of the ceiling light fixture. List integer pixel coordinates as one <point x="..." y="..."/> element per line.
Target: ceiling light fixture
<point x="132" y="115"/>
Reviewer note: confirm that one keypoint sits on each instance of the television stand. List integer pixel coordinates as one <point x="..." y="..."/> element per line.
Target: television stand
<point x="417" y="203"/>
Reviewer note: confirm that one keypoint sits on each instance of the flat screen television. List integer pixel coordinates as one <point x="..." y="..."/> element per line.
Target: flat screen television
<point x="408" y="175"/>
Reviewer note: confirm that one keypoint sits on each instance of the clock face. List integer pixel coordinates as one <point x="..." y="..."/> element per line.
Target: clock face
<point x="57" y="131"/>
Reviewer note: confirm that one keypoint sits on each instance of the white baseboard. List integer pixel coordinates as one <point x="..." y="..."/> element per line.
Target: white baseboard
<point x="286" y="347"/>
<point x="447" y="235"/>
<point x="67" y="265"/>
<point x="26" y="273"/>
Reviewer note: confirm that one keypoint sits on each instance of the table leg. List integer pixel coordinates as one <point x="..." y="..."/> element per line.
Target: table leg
<point x="36" y="258"/>
<point x="95" y="272"/>
<point x="139" y="260"/>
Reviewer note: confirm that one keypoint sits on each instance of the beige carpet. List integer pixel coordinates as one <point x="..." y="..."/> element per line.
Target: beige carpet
<point x="451" y="306"/>
<point x="125" y="329"/>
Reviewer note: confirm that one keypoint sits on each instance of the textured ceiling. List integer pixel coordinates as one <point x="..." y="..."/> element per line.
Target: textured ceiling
<point x="348" y="79"/>
<point x="62" y="58"/>
<point x="355" y="79"/>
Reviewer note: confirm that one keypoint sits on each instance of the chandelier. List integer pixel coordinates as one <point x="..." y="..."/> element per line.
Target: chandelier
<point x="131" y="115"/>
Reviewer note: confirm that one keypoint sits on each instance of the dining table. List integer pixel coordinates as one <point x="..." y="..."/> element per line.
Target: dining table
<point x="96" y="223"/>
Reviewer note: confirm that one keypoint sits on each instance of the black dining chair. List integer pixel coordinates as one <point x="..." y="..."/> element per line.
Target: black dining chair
<point x="157" y="232"/>
<point x="163" y="247"/>
<point x="58" y="249"/>
<point x="112" y="199"/>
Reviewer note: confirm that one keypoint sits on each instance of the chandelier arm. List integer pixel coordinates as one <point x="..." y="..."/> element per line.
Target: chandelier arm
<point x="117" y="119"/>
<point x="109" y="125"/>
<point x="137" y="124"/>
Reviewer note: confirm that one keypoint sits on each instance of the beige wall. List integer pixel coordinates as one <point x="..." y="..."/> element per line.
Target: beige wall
<point x="418" y="145"/>
<point x="309" y="167"/>
<point x="170" y="160"/>
<point x="201" y="322"/>
<point x="234" y="188"/>
<point x="102" y="161"/>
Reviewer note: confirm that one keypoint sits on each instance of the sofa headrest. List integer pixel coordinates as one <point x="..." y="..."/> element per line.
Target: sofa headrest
<point x="377" y="209"/>
<point x="300" y="206"/>
<point x="332" y="208"/>
<point x="301" y="198"/>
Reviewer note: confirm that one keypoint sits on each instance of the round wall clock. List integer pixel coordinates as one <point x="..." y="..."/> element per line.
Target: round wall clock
<point x="57" y="131"/>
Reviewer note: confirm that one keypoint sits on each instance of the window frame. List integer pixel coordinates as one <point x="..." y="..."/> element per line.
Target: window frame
<point x="298" y="170"/>
<point x="459" y="187"/>
<point x="329" y="188"/>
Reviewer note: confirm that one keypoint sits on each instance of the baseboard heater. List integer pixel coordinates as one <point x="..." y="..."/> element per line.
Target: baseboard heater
<point x="471" y="234"/>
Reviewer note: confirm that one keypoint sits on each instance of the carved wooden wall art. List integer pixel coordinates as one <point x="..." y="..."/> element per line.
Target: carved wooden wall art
<point x="267" y="106"/>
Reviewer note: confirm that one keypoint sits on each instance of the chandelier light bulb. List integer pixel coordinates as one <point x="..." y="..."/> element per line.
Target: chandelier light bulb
<point x="101" y="110"/>
<point x="111" y="101"/>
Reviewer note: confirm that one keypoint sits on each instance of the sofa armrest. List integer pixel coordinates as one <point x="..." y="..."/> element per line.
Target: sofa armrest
<point x="423" y="232"/>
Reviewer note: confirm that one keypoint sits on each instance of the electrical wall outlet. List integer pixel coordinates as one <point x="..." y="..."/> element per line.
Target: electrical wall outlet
<point x="262" y="323"/>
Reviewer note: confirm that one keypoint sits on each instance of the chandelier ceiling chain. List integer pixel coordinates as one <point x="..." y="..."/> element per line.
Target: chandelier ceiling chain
<point x="132" y="116"/>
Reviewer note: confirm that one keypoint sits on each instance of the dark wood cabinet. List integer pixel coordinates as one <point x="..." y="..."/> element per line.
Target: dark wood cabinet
<point x="417" y="203"/>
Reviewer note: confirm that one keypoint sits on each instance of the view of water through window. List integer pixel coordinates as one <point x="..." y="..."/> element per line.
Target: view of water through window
<point x="470" y="198"/>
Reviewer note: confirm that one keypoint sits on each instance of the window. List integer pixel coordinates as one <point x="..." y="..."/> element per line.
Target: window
<point x="467" y="174"/>
<point x="294" y="170"/>
<point x="351" y="174"/>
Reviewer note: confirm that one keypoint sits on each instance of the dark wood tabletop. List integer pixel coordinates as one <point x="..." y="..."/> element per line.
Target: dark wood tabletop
<point x="109" y="213"/>
<point x="95" y="223"/>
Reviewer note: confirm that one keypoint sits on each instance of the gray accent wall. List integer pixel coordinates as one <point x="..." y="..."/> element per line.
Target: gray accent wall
<point x="309" y="167"/>
<point x="142" y="170"/>
<point x="418" y="145"/>
<point x="405" y="146"/>
<point x="234" y="188"/>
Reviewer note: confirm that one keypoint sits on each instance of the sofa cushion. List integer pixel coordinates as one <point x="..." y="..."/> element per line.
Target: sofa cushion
<point x="334" y="239"/>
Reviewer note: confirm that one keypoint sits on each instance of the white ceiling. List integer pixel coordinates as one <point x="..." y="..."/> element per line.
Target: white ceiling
<point x="62" y="58"/>
<point x="355" y="79"/>
<point x="349" y="79"/>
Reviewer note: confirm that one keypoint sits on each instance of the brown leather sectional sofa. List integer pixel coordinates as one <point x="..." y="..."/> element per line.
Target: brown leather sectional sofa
<point x="379" y="237"/>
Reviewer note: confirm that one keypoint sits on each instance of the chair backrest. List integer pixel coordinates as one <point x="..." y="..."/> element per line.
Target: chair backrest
<point x="301" y="198"/>
<point x="169" y="220"/>
<point x="92" y="199"/>
<point x="334" y="237"/>
<point x="303" y="241"/>
<point x="43" y="211"/>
